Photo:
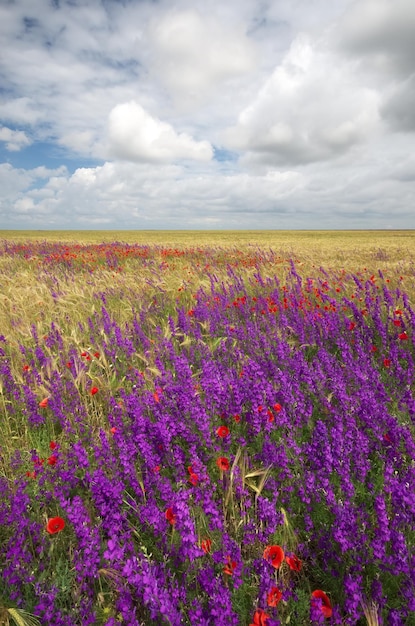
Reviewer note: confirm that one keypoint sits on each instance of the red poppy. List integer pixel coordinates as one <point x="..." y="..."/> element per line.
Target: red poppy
<point x="44" y="403"/>
<point x="325" y="602"/>
<point x="222" y="431"/>
<point x="387" y="362"/>
<point x="230" y="566"/>
<point x="96" y="355"/>
<point x="170" y="516"/>
<point x="206" y="545"/>
<point x="55" y="525"/>
<point x="403" y="336"/>
<point x="277" y="407"/>
<point x="260" y="618"/>
<point x="194" y="479"/>
<point x="113" y="430"/>
<point x="237" y="418"/>
<point x="223" y="463"/>
<point x="52" y="460"/>
<point x="53" y="445"/>
<point x="94" y="390"/>
<point x="156" y="396"/>
<point x="352" y="325"/>
<point x="294" y="563"/>
<point x="373" y="349"/>
<point x="397" y="322"/>
<point x="26" y="368"/>
<point x="274" y="555"/>
<point x="274" y="596"/>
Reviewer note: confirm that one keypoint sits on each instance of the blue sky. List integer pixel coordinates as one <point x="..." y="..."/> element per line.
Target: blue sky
<point x="195" y="114"/>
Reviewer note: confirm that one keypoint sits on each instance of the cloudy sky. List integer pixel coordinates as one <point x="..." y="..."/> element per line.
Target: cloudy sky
<point x="205" y="114"/>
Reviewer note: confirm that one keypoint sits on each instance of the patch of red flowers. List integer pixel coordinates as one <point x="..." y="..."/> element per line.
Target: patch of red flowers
<point x="260" y="618"/>
<point x="274" y="597"/>
<point x="274" y="555"/>
<point x="206" y="545"/>
<point x="55" y="525"/>
<point x="170" y="516"/>
<point x="294" y="563"/>
<point x="193" y="479"/>
<point x="222" y="431"/>
<point x="325" y="602"/>
<point x="223" y="463"/>
<point x="230" y="566"/>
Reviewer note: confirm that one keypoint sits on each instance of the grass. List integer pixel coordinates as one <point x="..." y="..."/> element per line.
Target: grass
<point x="291" y="340"/>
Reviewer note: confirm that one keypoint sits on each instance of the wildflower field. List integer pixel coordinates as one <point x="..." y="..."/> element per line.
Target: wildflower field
<point x="207" y="430"/>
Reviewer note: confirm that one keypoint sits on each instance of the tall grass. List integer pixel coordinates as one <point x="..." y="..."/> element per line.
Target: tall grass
<point x="207" y="434"/>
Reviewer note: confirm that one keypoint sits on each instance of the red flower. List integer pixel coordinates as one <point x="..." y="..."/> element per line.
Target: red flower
<point x="274" y="555"/>
<point x="294" y="563"/>
<point x="84" y="354"/>
<point x="397" y="322"/>
<point x="96" y="355"/>
<point x="223" y="463"/>
<point x="206" y="545"/>
<point x="325" y="602"/>
<point x="260" y="618"/>
<point x="352" y="325"/>
<point x="277" y="407"/>
<point x="44" y="403"/>
<point x="52" y="460"/>
<point x="237" y="418"/>
<point x="194" y="479"/>
<point x="222" y="431"/>
<point x="373" y="349"/>
<point x="230" y="566"/>
<point x="113" y="430"/>
<point x="53" y="445"/>
<point x="170" y="516"/>
<point x="387" y="362"/>
<point x="156" y="396"/>
<point x="274" y="597"/>
<point x="403" y="336"/>
<point x="55" y="525"/>
<point x="94" y="390"/>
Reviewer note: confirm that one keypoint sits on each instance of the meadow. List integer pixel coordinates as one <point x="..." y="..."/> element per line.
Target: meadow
<point x="207" y="428"/>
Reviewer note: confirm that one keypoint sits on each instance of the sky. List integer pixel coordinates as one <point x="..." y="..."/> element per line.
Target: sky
<point x="205" y="114"/>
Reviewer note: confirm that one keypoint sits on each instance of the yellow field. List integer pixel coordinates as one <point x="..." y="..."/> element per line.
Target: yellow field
<point x="335" y="248"/>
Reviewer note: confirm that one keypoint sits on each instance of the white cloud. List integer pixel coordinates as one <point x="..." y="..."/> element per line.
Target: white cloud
<point x="309" y="109"/>
<point x="15" y="140"/>
<point x="381" y="32"/>
<point x="236" y="114"/>
<point x="193" y="53"/>
<point x="134" y="135"/>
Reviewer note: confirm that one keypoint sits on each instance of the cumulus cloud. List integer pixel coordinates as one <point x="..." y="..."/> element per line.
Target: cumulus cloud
<point x="134" y="135"/>
<point x="194" y="53"/>
<point x="15" y="140"/>
<point x="308" y="110"/>
<point x="381" y="32"/>
<point x="399" y="108"/>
